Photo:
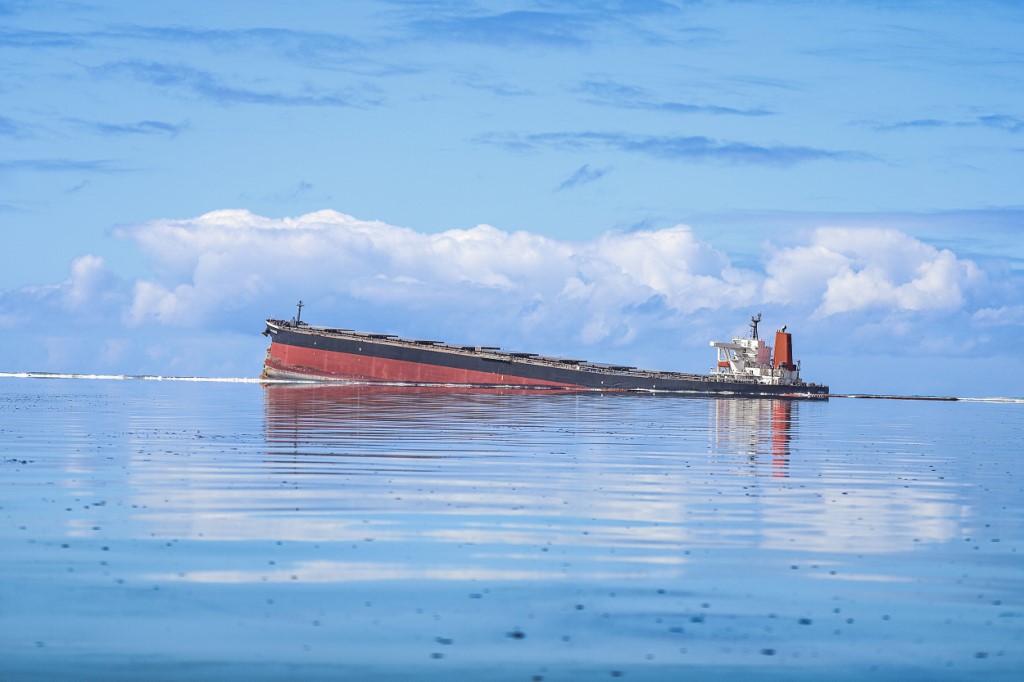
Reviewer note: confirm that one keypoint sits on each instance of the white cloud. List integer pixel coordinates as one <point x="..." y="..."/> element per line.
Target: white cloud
<point x="89" y="280"/>
<point x="853" y="269"/>
<point x="154" y="300"/>
<point x="91" y="292"/>
<point x="232" y="259"/>
<point x="672" y="263"/>
<point x="608" y="290"/>
<point x="800" y="275"/>
<point x="999" y="316"/>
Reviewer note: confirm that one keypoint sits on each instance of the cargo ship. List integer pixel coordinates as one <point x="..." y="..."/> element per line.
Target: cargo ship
<point x="299" y="351"/>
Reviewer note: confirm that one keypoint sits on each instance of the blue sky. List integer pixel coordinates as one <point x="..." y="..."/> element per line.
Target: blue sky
<point x="621" y="181"/>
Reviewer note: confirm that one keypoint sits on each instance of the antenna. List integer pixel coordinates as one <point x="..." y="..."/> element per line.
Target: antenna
<point x="754" y="319"/>
<point x="298" y="317"/>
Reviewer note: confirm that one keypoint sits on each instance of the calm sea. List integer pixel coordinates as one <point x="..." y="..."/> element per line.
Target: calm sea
<point x="229" y="530"/>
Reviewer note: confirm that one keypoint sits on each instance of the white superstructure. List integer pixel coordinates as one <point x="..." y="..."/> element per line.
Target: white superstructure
<point x="750" y="359"/>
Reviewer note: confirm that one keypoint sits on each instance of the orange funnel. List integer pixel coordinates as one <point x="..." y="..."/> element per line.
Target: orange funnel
<point x="784" y="350"/>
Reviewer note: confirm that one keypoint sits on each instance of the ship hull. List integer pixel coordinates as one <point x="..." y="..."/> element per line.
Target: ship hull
<point x="308" y="353"/>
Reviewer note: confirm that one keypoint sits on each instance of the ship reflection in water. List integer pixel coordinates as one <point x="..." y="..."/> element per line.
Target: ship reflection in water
<point x="342" y="415"/>
<point x="629" y="479"/>
<point x="759" y="428"/>
<point x="612" y="480"/>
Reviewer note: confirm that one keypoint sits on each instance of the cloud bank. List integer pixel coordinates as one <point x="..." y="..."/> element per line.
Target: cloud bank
<point x="233" y="257"/>
<point x="642" y="296"/>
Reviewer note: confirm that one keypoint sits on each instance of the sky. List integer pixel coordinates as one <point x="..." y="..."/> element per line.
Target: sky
<point x="619" y="181"/>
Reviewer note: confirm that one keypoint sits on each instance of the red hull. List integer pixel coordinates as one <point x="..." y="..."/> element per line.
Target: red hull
<point x="315" y="363"/>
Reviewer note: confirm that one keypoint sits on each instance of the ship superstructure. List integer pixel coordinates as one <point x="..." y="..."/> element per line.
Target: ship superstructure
<point x="751" y="358"/>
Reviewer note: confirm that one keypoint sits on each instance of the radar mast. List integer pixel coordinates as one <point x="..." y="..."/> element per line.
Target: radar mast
<point x="754" y="320"/>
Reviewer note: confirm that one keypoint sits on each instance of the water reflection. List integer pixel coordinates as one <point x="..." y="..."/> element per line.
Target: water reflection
<point x="757" y="428"/>
<point x="506" y="482"/>
<point x="624" y="475"/>
<point x="358" y="419"/>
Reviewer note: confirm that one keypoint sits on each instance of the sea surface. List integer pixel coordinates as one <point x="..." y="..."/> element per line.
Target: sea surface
<point x="159" y="529"/>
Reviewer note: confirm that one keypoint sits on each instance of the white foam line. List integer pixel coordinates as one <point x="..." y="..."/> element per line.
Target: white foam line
<point x="125" y="377"/>
<point x="994" y="400"/>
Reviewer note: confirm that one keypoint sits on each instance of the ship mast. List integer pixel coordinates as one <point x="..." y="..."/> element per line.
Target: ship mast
<point x="754" y="319"/>
<point x="298" y="316"/>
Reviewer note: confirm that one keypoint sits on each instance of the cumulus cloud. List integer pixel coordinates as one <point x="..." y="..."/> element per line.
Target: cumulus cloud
<point x="846" y="270"/>
<point x="90" y="291"/>
<point x="89" y="281"/>
<point x="234" y="259"/>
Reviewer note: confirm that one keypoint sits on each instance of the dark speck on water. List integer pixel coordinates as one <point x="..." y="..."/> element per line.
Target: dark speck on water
<point x="354" y="532"/>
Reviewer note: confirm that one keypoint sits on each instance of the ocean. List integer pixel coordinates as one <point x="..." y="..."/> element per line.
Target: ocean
<point x="171" y="529"/>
